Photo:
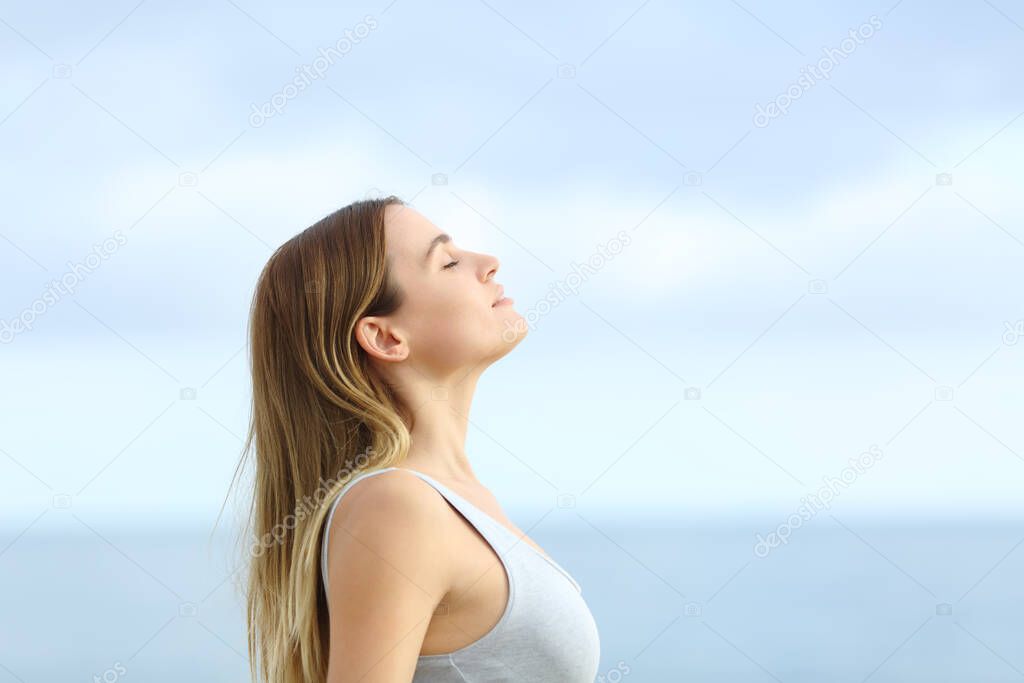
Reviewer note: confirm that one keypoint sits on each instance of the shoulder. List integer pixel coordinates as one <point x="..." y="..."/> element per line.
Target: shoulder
<point x="389" y="565"/>
<point x="393" y="518"/>
<point x="390" y="497"/>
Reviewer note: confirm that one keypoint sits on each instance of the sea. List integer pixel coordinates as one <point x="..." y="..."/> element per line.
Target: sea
<point x="839" y="599"/>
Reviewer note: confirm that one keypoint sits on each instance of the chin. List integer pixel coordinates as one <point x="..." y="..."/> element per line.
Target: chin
<point x="513" y="330"/>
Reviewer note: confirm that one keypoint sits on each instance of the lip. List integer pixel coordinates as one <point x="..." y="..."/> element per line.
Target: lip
<point x="504" y="301"/>
<point x="501" y="297"/>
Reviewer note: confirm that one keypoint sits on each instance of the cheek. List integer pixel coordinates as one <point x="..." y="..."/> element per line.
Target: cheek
<point x="450" y="304"/>
<point x="456" y="326"/>
<point x="440" y="307"/>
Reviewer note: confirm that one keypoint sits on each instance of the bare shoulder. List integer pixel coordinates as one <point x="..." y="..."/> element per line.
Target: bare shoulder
<point x="389" y="566"/>
<point x="394" y="512"/>
<point x="387" y="499"/>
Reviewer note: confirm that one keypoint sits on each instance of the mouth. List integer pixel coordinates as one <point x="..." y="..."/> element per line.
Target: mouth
<point x="502" y="299"/>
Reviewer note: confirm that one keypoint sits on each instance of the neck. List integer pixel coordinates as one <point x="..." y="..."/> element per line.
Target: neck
<point x="440" y="415"/>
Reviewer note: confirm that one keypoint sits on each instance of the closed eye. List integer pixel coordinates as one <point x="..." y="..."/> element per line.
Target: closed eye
<point x="452" y="264"/>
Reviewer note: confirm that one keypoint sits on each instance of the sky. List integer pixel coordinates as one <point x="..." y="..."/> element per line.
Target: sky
<point x="798" y="287"/>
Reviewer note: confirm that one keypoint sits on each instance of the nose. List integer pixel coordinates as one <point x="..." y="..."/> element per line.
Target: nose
<point x="491" y="264"/>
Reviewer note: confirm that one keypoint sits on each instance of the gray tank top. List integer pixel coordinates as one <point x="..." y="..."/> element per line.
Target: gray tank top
<point x="547" y="633"/>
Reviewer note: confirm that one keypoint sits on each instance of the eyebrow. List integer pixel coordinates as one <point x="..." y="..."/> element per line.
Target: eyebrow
<point x="440" y="239"/>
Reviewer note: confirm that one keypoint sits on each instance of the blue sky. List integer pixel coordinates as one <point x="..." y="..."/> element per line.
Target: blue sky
<point x="814" y="278"/>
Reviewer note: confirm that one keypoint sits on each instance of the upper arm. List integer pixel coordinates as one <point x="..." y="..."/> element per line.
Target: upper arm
<point x="388" y="568"/>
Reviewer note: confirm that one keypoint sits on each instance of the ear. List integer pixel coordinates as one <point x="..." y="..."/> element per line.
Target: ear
<point x="381" y="339"/>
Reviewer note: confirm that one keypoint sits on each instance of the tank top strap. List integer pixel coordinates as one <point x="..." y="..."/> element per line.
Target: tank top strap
<point x="500" y="537"/>
<point x="497" y="535"/>
<point x="483" y="523"/>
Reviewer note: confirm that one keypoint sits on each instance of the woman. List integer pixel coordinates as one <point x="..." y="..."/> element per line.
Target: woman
<point x="379" y="556"/>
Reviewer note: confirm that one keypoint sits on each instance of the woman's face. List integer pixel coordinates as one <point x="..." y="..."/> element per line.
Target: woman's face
<point x="448" y="319"/>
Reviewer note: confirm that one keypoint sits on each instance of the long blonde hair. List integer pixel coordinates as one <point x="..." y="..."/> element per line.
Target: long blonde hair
<point x="319" y="416"/>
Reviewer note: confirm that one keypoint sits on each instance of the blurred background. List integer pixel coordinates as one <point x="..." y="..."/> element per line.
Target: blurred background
<point x="769" y="410"/>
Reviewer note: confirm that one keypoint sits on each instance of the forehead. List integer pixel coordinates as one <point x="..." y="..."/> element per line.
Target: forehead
<point x="407" y="232"/>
